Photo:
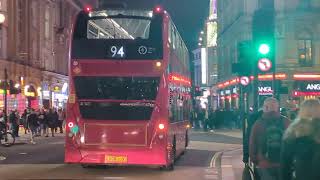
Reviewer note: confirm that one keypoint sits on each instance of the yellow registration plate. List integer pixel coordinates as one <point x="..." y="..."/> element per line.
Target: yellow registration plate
<point x="116" y="159"/>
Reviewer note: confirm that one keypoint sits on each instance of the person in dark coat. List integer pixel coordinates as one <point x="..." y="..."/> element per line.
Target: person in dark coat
<point x="52" y="118"/>
<point x="43" y="122"/>
<point x="14" y="123"/>
<point x="265" y="128"/>
<point x="24" y="121"/>
<point x="32" y="121"/>
<point x="300" y="156"/>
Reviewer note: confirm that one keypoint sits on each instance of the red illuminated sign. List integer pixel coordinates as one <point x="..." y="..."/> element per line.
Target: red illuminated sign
<point x="179" y="79"/>
<point x="299" y="93"/>
<point x="306" y="76"/>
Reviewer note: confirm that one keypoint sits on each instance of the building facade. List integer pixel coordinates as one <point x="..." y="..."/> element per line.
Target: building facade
<point x="297" y="46"/>
<point x="34" y="50"/>
<point x="205" y="58"/>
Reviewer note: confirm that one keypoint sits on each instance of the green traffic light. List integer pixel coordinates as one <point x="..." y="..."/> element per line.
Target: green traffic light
<point x="264" y="49"/>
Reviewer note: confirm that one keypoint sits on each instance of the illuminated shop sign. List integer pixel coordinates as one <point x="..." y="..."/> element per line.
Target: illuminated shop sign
<point x="265" y="91"/>
<point x="313" y="87"/>
<point x="235" y="90"/>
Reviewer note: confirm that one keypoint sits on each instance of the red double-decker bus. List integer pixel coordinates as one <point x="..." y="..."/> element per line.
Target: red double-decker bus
<point x="129" y="100"/>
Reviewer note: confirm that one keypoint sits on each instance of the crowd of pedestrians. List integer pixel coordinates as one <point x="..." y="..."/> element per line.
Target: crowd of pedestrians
<point x="36" y="122"/>
<point x="282" y="147"/>
<point x="218" y="119"/>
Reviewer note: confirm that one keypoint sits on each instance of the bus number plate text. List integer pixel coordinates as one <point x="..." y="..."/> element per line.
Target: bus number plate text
<point x="116" y="159"/>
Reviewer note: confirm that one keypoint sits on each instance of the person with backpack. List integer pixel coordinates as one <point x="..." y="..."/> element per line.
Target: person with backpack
<point x="266" y="139"/>
<point x="300" y="156"/>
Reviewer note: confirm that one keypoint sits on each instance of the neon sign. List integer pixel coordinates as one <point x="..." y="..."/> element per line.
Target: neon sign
<point x="179" y="79"/>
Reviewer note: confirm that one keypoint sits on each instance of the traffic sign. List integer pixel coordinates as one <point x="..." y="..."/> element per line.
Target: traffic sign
<point x="244" y="80"/>
<point x="264" y="64"/>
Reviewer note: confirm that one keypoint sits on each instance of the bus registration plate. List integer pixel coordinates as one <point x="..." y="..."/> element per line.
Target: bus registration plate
<point x="116" y="159"/>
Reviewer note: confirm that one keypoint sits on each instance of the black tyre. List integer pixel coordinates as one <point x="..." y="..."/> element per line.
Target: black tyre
<point x="187" y="139"/>
<point x="8" y="139"/>
<point x="170" y="167"/>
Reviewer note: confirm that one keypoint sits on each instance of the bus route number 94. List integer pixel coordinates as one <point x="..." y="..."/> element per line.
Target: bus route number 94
<point x="117" y="52"/>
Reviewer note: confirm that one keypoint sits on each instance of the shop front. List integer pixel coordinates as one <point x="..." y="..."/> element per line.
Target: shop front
<point x="306" y="90"/>
<point x="229" y="97"/>
<point x="305" y="86"/>
<point x="59" y="95"/>
<point x="31" y="95"/>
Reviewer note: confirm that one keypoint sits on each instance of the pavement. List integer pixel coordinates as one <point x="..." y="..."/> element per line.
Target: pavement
<point x="210" y="156"/>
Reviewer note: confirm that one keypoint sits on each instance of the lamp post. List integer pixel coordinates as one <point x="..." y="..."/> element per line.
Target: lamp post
<point x="2" y="20"/>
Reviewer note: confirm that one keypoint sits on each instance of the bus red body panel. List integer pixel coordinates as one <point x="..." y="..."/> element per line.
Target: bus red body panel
<point x="129" y="90"/>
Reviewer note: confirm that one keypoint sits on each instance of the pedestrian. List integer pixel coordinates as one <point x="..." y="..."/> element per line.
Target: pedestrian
<point x="17" y="115"/>
<point x="300" y="157"/>
<point x="51" y="119"/>
<point x="24" y="121"/>
<point x="61" y="118"/>
<point x="43" y="122"/>
<point x="205" y="119"/>
<point x="13" y="123"/>
<point x="265" y="140"/>
<point x="32" y="121"/>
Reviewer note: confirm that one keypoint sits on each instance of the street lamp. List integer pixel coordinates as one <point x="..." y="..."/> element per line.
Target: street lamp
<point x="2" y="18"/>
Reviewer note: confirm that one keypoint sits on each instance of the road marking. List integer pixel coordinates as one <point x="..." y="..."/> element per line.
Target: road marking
<point x="226" y="166"/>
<point x="114" y="178"/>
<point x="214" y="159"/>
<point x="23" y="153"/>
<point x="211" y="176"/>
<point x="2" y="158"/>
<point x="62" y="142"/>
<point x="227" y="156"/>
<point x="211" y="171"/>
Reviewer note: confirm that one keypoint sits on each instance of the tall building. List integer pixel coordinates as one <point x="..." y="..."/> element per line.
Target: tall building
<point x="34" y="50"/>
<point x="297" y="47"/>
<point x="205" y="57"/>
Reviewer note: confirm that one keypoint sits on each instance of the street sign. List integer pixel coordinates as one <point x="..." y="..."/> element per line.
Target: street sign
<point x="244" y="80"/>
<point x="264" y="64"/>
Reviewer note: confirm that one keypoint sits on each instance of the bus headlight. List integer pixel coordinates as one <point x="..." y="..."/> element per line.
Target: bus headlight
<point x="70" y="135"/>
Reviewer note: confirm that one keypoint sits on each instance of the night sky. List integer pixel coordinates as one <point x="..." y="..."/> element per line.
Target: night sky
<point x="188" y="15"/>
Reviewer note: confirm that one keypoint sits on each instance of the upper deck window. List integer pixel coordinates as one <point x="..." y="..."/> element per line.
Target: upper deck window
<point x="119" y="26"/>
<point x="118" y="34"/>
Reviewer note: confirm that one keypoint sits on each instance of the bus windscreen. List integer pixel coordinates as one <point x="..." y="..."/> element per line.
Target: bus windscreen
<point x="117" y="88"/>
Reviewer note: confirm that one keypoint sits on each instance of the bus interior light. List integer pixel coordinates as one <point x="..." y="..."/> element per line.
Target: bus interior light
<point x="70" y="135"/>
<point x="161" y="126"/>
